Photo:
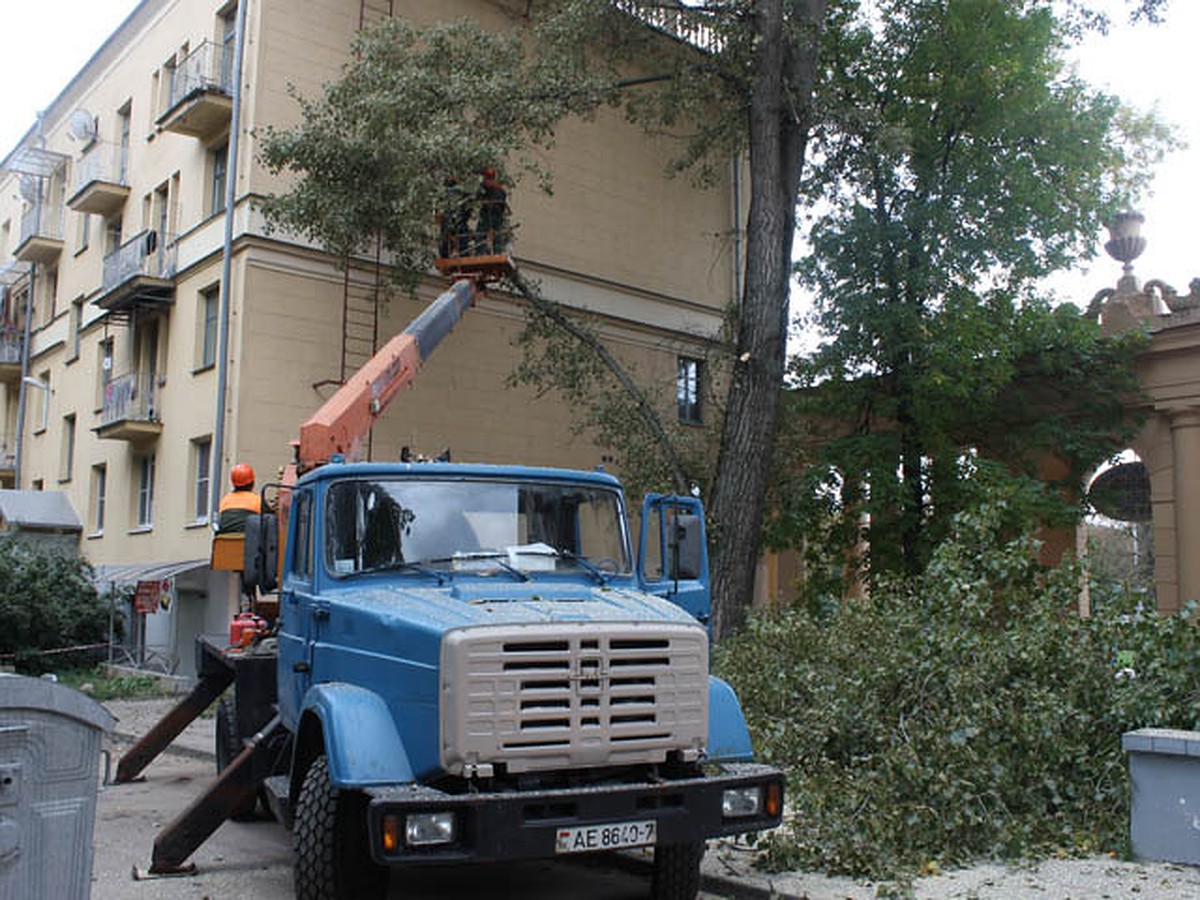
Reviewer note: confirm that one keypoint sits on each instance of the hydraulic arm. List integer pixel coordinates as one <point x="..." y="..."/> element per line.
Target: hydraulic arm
<point x="345" y="419"/>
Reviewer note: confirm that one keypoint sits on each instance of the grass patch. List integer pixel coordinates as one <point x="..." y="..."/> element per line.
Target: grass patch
<point x="101" y="684"/>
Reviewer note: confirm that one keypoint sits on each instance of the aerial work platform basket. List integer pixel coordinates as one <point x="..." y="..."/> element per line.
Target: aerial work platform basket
<point x="481" y="256"/>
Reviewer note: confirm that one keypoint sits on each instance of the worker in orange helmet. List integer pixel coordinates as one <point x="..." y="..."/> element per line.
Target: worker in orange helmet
<point x="239" y="503"/>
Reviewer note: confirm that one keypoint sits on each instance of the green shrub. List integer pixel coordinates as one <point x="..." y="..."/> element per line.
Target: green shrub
<point x="47" y="602"/>
<point x="966" y="713"/>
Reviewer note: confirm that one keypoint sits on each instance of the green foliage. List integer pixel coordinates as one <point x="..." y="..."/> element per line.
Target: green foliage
<point x="967" y="712"/>
<point x="414" y="108"/>
<point x="961" y="162"/>
<point x="626" y="413"/>
<point x="47" y="601"/>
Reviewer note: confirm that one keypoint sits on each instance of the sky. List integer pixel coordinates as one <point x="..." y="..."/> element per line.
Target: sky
<point x="43" y="44"/>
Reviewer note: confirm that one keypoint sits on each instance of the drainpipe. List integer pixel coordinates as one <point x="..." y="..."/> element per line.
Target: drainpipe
<point x="24" y="391"/>
<point x="225" y="300"/>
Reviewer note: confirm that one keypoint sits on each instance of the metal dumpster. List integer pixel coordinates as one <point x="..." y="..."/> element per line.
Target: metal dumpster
<point x="50" y="741"/>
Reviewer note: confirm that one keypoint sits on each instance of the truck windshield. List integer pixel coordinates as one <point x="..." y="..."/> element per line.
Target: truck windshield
<point x="473" y="526"/>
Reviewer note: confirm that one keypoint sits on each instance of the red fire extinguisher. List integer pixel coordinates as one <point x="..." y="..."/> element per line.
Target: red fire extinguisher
<point x="244" y="628"/>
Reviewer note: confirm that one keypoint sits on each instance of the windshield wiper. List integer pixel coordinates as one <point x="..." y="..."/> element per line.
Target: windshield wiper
<point x="496" y="557"/>
<point x="401" y="566"/>
<point x="584" y="563"/>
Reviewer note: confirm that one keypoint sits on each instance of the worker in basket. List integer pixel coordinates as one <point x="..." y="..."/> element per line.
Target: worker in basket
<point x="239" y="503"/>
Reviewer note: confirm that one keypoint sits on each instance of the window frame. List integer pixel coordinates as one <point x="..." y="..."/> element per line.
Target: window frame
<point x="209" y="309"/>
<point x="99" y="497"/>
<point x="689" y="390"/>
<point x="147" y="465"/>
<point x="202" y="479"/>
<point x="66" y="458"/>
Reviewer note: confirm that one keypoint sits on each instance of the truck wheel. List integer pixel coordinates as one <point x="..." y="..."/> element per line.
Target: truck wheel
<point x="676" y="871"/>
<point x="229" y="745"/>
<point x="332" y="858"/>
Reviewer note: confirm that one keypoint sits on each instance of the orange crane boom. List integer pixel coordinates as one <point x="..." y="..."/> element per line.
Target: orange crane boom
<point x="345" y="419"/>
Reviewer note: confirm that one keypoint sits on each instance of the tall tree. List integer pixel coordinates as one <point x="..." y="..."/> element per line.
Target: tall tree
<point x="961" y="161"/>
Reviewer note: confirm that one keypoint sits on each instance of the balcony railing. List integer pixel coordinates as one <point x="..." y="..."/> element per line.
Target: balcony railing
<point x="139" y="275"/>
<point x="11" y="342"/>
<point x="41" y="233"/>
<point x="200" y="94"/>
<point x="682" y="22"/>
<point x="40" y="220"/>
<point x="125" y="401"/>
<point x="206" y="69"/>
<point x="101" y="179"/>
<point x="146" y="255"/>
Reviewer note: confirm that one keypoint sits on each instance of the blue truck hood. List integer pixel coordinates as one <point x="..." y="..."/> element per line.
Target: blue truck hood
<point x="466" y="603"/>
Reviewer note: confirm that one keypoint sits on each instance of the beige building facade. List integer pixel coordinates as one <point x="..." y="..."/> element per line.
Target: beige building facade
<point x="114" y="214"/>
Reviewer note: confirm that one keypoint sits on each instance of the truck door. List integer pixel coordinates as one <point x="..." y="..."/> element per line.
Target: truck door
<point x="296" y="610"/>
<point x="673" y="553"/>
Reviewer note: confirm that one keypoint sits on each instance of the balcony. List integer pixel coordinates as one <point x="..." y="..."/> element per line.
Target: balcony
<point x="101" y="180"/>
<point x="200" y="99"/>
<point x="129" y="413"/>
<point x="11" y="343"/>
<point x="41" y="238"/>
<point x="139" y="276"/>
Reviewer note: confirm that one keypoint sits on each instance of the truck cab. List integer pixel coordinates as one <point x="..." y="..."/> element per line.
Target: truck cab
<point x="475" y="663"/>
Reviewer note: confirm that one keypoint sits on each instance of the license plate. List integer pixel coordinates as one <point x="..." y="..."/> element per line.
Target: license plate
<point x="605" y="837"/>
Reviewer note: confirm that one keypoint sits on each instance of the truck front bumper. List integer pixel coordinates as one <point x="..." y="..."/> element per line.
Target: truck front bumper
<point x="527" y="824"/>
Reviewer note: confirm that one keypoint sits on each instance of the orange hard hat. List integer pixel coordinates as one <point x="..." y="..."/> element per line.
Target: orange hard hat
<point x="242" y="475"/>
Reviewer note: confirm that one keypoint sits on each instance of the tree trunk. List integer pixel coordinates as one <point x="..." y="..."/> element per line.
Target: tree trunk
<point x="780" y="108"/>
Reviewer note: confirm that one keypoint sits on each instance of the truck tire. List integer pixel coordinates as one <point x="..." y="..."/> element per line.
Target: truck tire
<point x="332" y="859"/>
<point x="676" y="871"/>
<point x="228" y="746"/>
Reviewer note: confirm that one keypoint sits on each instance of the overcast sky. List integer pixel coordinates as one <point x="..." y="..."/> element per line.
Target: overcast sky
<point x="43" y="43"/>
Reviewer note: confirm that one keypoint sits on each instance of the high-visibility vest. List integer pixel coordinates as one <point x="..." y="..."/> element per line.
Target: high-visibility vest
<point x="235" y="507"/>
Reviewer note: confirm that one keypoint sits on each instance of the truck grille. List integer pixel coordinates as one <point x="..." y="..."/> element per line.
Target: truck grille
<point x="572" y="695"/>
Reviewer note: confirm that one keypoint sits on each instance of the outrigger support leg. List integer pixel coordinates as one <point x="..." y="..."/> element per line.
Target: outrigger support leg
<point x="239" y="781"/>
<point x="210" y="686"/>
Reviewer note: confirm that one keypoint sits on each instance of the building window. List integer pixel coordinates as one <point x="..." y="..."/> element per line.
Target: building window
<point x="201" y="477"/>
<point x="220" y="164"/>
<point x="50" y="282"/>
<point x="84" y="233"/>
<point x="99" y="490"/>
<point x="44" y="390"/>
<point x="66" y="458"/>
<point x="145" y="495"/>
<point x="112" y="235"/>
<point x="228" y="37"/>
<point x="210" y="304"/>
<point x="688" y="383"/>
<point x="104" y="370"/>
<point x="124" y="123"/>
<point x="76" y="327"/>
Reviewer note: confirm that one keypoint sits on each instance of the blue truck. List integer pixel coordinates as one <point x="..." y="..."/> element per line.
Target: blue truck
<point x="471" y="663"/>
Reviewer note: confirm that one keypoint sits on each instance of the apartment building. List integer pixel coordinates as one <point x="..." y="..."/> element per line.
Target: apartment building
<point x="117" y="231"/>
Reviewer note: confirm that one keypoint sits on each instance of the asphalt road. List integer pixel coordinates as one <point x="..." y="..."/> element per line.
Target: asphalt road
<point x="254" y="859"/>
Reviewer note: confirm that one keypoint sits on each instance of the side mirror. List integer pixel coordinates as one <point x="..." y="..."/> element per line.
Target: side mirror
<point x="260" y="554"/>
<point x="687" y="555"/>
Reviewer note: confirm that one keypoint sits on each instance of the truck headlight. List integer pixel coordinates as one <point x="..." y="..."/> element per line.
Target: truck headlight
<point x="424" y="829"/>
<point x="738" y="803"/>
